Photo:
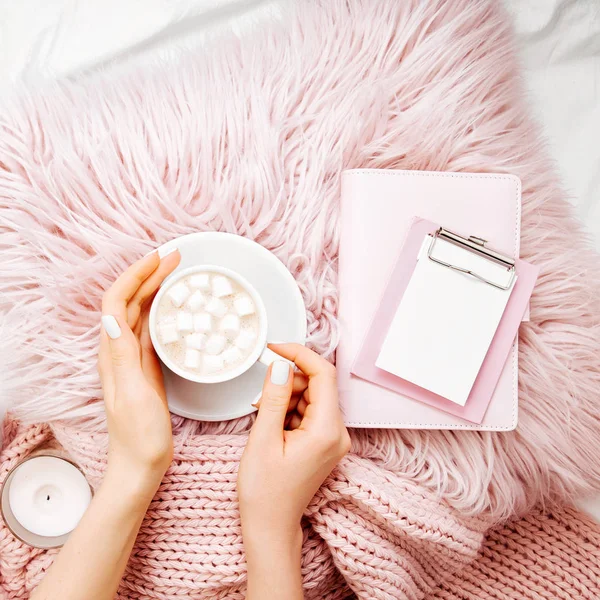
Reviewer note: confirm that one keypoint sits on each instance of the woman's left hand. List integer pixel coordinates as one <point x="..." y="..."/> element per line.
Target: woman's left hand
<point x="140" y="444"/>
<point x="139" y="425"/>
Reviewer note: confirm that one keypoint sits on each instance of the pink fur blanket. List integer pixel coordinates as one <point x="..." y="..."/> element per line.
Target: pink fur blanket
<point x="251" y="138"/>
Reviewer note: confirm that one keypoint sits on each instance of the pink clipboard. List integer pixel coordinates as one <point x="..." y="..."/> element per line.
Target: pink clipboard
<point x="491" y="369"/>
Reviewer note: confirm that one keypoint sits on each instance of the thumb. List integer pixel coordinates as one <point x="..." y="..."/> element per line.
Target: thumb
<point x="275" y="399"/>
<point x="124" y="351"/>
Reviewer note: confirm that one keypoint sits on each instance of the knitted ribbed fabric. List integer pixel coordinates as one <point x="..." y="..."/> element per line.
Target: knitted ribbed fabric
<point x="368" y="534"/>
<point x="545" y="556"/>
<point x="368" y="531"/>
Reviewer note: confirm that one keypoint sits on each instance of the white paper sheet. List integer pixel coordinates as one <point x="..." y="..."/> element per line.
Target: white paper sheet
<point x="445" y="322"/>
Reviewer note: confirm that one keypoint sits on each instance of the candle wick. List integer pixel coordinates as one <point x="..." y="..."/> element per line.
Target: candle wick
<point x="47" y="497"/>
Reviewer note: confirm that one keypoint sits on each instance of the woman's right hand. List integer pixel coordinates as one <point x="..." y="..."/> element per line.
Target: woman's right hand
<point x="282" y="469"/>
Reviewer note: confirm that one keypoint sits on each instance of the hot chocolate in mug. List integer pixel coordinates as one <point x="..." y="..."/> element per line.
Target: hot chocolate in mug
<point x="208" y="324"/>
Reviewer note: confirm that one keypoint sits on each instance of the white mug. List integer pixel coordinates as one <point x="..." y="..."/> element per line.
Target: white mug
<point x="260" y="353"/>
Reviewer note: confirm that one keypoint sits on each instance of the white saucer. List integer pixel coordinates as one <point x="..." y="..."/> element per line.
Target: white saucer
<point x="286" y="315"/>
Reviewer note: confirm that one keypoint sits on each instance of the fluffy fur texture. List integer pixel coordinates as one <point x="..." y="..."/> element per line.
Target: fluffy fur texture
<point x="251" y="138"/>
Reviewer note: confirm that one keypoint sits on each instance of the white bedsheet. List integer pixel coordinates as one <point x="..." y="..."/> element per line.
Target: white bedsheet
<point x="560" y="50"/>
<point x="559" y="46"/>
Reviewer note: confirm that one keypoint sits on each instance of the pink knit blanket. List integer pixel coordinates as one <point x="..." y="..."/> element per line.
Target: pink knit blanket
<point x="251" y="138"/>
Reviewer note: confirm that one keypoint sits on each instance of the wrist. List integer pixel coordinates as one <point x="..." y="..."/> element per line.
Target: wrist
<point x="132" y="485"/>
<point x="268" y="540"/>
<point x="274" y="563"/>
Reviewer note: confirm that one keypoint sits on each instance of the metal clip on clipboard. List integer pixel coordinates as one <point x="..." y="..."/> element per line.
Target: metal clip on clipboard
<point x="477" y="246"/>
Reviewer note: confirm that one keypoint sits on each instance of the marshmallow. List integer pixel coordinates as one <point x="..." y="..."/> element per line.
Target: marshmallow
<point x="200" y="281"/>
<point x="192" y="359"/>
<point x="185" y="322"/>
<point x="215" y="344"/>
<point x="221" y="286"/>
<point x="195" y="340"/>
<point x="168" y="332"/>
<point x="244" y="306"/>
<point x="232" y="355"/>
<point x="230" y="324"/>
<point x="213" y="363"/>
<point x="178" y="294"/>
<point x="216" y="307"/>
<point x="202" y="322"/>
<point x="245" y="340"/>
<point x="196" y="300"/>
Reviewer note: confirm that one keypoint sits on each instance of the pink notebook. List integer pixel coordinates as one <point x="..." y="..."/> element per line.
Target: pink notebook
<point x="377" y="210"/>
<point x="491" y="368"/>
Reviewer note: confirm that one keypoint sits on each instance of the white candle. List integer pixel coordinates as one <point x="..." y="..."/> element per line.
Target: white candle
<point x="48" y="496"/>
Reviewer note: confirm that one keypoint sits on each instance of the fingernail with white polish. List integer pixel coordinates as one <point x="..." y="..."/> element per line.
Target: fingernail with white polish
<point x="280" y="372"/>
<point x="164" y="252"/>
<point x="111" y="327"/>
